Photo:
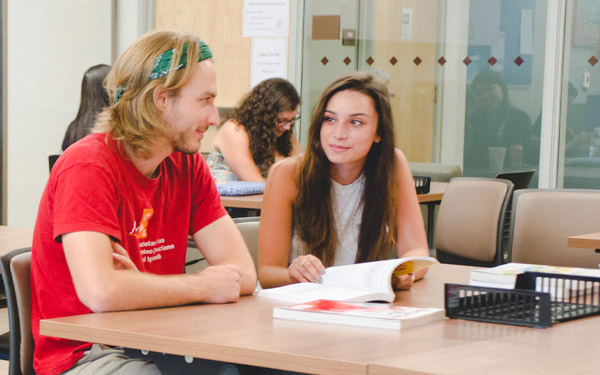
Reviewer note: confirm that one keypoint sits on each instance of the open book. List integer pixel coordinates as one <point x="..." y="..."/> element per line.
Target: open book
<point x="375" y="315"/>
<point x="361" y="282"/>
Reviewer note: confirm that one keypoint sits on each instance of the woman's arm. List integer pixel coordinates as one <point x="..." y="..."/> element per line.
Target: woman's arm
<point x="275" y="234"/>
<point x="412" y="240"/>
<point x="234" y="144"/>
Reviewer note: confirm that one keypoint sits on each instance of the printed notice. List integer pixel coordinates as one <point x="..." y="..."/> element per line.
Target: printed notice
<point x="266" y="19"/>
<point x="269" y="59"/>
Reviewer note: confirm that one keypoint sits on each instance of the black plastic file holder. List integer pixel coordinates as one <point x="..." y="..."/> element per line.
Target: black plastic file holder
<point x="422" y="183"/>
<point x="538" y="300"/>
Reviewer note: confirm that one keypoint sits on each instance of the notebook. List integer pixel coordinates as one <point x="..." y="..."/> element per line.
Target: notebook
<point x="233" y="188"/>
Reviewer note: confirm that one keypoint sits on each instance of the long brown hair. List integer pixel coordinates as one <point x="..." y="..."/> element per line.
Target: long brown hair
<point x="93" y="99"/>
<point x="313" y="217"/>
<point x="257" y="113"/>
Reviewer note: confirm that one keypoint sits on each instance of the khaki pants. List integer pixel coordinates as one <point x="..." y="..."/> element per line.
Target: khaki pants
<point x="104" y="360"/>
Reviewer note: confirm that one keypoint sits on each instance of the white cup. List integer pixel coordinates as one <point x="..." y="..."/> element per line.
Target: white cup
<point x="496" y="158"/>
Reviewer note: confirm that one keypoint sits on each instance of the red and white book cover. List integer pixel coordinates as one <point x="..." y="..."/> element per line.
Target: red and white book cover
<point x="365" y="314"/>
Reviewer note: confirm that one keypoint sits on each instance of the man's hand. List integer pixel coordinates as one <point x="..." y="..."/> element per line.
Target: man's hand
<point x="221" y="284"/>
<point x="121" y="259"/>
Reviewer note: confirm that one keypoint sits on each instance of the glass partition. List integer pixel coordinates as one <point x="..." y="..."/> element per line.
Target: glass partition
<point x="579" y="150"/>
<point x="467" y="99"/>
<point x="505" y="71"/>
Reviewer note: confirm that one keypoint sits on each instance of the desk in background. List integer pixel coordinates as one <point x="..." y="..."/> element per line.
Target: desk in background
<point x="586" y="241"/>
<point x="246" y="333"/>
<point x="431" y="199"/>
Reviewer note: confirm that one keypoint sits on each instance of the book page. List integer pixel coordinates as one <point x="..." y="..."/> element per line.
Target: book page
<point x="374" y="276"/>
<point x="305" y="292"/>
<point x="370" y="281"/>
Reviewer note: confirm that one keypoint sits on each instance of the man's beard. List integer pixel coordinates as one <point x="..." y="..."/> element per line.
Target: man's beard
<point x="180" y="143"/>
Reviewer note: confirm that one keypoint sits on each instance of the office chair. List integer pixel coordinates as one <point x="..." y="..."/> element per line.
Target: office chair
<point x="520" y="179"/>
<point x="542" y="221"/>
<point x="15" y="267"/>
<point x="248" y="226"/>
<point x="471" y="221"/>
<point x="51" y="160"/>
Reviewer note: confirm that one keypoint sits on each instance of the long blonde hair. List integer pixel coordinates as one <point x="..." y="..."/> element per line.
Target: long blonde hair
<point x="133" y="116"/>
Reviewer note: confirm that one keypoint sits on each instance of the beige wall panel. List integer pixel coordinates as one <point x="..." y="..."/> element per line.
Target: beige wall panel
<point x="411" y="85"/>
<point x="219" y="24"/>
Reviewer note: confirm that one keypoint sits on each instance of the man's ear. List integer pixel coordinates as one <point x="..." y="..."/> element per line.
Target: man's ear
<point x="160" y="96"/>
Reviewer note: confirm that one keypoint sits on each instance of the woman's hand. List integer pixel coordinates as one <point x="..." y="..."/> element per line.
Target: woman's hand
<point x="306" y="269"/>
<point x="403" y="282"/>
<point x="121" y="259"/>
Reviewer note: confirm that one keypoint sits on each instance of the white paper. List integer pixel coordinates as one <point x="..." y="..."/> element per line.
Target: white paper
<point x="526" y="32"/>
<point x="269" y="59"/>
<point x="266" y="19"/>
<point x="406" y="23"/>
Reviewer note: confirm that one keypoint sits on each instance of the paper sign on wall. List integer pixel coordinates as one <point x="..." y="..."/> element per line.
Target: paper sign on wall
<point x="266" y="19"/>
<point x="269" y="59"/>
<point x="407" y="23"/>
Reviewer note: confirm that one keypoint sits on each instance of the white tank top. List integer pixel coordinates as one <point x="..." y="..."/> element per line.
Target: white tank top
<point x="347" y="213"/>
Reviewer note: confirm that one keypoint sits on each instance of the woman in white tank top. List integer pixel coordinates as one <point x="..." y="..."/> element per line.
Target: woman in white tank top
<point x="350" y="198"/>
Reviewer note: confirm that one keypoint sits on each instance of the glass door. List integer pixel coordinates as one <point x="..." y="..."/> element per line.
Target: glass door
<point x="396" y="39"/>
<point x="579" y="134"/>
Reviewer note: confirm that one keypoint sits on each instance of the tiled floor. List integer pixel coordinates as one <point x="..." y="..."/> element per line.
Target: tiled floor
<point x="3" y="328"/>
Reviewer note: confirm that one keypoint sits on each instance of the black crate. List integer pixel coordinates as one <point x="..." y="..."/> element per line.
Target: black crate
<point x="422" y="184"/>
<point x="538" y="300"/>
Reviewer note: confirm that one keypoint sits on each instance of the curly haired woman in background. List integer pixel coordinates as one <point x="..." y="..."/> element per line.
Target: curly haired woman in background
<point x="257" y="133"/>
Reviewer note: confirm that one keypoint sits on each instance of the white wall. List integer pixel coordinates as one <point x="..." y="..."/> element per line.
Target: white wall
<point x="49" y="47"/>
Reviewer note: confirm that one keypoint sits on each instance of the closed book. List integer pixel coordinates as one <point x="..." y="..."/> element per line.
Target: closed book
<point x="360" y="282"/>
<point x="374" y="315"/>
<point x="505" y="277"/>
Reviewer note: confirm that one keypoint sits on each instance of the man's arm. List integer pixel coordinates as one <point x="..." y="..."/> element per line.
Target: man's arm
<point x="101" y="287"/>
<point x="221" y="243"/>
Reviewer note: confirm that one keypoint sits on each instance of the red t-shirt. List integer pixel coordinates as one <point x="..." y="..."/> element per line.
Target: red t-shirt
<point x="92" y="187"/>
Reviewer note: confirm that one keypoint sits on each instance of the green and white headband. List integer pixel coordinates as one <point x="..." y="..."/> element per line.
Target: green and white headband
<point x="162" y="64"/>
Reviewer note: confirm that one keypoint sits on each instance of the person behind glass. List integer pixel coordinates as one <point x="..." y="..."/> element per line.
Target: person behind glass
<point x="577" y="138"/>
<point x="492" y="121"/>
<point x="113" y="223"/>
<point x="351" y="198"/>
<point x="93" y="99"/>
<point x="258" y="132"/>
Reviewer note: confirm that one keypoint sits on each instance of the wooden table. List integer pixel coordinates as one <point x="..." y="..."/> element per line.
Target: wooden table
<point x="14" y="238"/>
<point x="246" y="333"/>
<point x="587" y="241"/>
<point x="255" y="201"/>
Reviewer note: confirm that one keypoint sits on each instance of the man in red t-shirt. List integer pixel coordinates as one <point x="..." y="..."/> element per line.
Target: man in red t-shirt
<point x="119" y="205"/>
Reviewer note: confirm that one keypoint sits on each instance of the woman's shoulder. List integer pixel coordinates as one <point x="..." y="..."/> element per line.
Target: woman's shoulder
<point x="230" y="133"/>
<point x="282" y="181"/>
<point x="288" y="167"/>
<point x="231" y="126"/>
<point x="400" y="157"/>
